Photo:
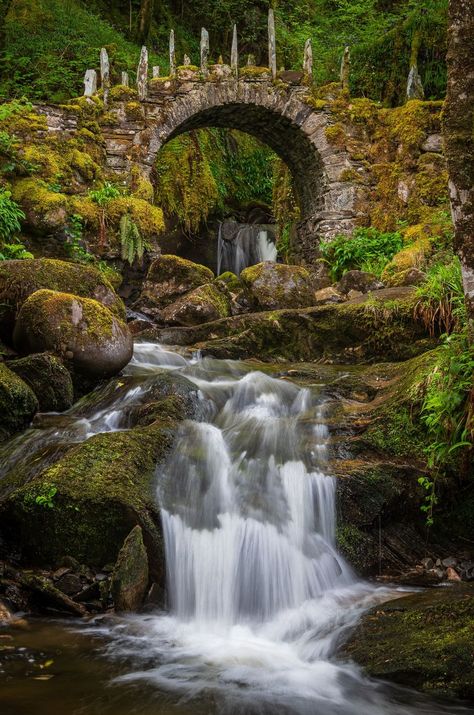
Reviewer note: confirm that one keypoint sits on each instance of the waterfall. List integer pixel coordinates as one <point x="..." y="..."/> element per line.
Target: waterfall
<point x="243" y="245"/>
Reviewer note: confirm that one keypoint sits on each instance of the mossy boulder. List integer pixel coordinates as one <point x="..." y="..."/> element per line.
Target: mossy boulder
<point x="130" y="575"/>
<point x="19" y="279"/>
<point x="422" y="641"/>
<point x="206" y="303"/>
<point x="170" y="277"/>
<point x="81" y="330"/>
<point x="413" y="256"/>
<point x="18" y="403"/>
<point x="359" y="281"/>
<point x="277" y="285"/>
<point x="49" y="379"/>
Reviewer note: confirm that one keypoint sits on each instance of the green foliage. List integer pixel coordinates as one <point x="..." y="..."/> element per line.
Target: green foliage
<point x="367" y="250"/>
<point x="10" y="223"/>
<point x="106" y="193"/>
<point x="47" y="498"/>
<point x="448" y="413"/>
<point x="133" y="245"/>
<point x="441" y="303"/>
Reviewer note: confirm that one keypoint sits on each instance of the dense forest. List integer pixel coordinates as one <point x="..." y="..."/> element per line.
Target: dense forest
<point x="236" y="356"/>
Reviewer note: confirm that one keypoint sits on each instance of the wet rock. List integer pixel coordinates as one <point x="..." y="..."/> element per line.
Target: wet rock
<point x="19" y="279"/>
<point x="358" y="281"/>
<point x="423" y="640"/>
<point x="69" y="584"/>
<point x="408" y="277"/>
<point x="206" y="303"/>
<point x="452" y="574"/>
<point x="168" y="278"/>
<point x="48" y="378"/>
<point x="101" y="344"/>
<point x="18" y="403"/>
<point x="328" y="295"/>
<point x="276" y="285"/>
<point x="433" y="143"/>
<point x="130" y="575"/>
<point x="48" y="595"/>
<point x="427" y="563"/>
<point x="449" y="561"/>
<point x="6" y="615"/>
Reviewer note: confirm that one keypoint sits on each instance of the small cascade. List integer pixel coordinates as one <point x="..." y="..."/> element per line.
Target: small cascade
<point x="242" y="245"/>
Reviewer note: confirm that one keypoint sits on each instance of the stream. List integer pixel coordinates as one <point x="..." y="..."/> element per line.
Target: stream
<point x="259" y="599"/>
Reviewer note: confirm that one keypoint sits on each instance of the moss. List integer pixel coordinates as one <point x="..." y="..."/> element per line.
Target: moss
<point x="19" y="279"/>
<point x="47" y="376"/>
<point x="316" y="103"/>
<point x="415" y="255"/>
<point x="148" y="219"/>
<point x="275" y="285"/>
<point x="253" y="72"/>
<point x="179" y="270"/>
<point x="422" y="641"/>
<point x="141" y="187"/>
<point x="355" y="545"/>
<point x="336" y="134"/>
<point x="232" y="282"/>
<point x="18" y="403"/>
<point x="34" y="193"/>
<point x="121" y="93"/>
<point x="203" y="304"/>
<point x="134" y="111"/>
<point x="188" y="68"/>
<point x="408" y="125"/>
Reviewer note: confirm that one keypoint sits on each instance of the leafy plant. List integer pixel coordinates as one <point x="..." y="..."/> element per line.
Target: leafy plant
<point x="11" y="216"/>
<point x="102" y="197"/>
<point x="133" y="245"/>
<point x="441" y="304"/>
<point x="47" y="498"/>
<point x="448" y="413"/>
<point x="367" y="250"/>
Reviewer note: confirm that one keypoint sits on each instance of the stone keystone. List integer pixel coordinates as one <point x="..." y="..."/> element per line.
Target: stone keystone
<point x="125" y="79"/>
<point x="172" y="55"/>
<point x="204" y="50"/>
<point x="272" y="59"/>
<point x="90" y="83"/>
<point x="234" y="55"/>
<point x="105" y="73"/>
<point x="155" y="71"/>
<point x="308" y="58"/>
<point x="414" y="84"/>
<point x="142" y="74"/>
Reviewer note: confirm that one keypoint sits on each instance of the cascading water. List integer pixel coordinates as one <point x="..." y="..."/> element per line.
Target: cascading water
<point x="259" y="597"/>
<point x="243" y="245"/>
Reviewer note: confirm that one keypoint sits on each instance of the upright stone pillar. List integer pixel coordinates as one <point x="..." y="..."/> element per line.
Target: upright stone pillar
<point x="125" y="79"/>
<point x="308" y="58"/>
<point x="234" y="55"/>
<point x="414" y="85"/>
<point x="90" y="83"/>
<point x="155" y="72"/>
<point x="186" y="60"/>
<point x="345" y="68"/>
<point x="142" y="74"/>
<point x="272" y="58"/>
<point x="204" y="51"/>
<point x="172" y="55"/>
<point x="105" y="73"/>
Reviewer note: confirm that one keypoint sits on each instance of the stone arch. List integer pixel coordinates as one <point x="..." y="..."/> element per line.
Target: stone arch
<point x="277" y="115"/>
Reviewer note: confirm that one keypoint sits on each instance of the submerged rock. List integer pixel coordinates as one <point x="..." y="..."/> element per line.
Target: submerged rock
<point x="19" y="279"/>
<point x="79" y="329"/>
<point x="206" y="303"/>
<point x="277" y="285"/>
<point x="48" y="378"/>
<point x="130" y="576"/>
<point x="18" y="403"/>
<point x="423" y="641"/>
<point x="169" y="277"/>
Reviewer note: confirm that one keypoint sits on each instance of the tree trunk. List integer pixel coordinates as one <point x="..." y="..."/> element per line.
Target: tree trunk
<point x="4" y="8"/>
<point x="458" y="129"/>
<point x="145" y="18"/>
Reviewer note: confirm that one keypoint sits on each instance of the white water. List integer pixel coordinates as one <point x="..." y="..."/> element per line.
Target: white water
<point x="249" y="244"/>
<point x="259" y="597"/>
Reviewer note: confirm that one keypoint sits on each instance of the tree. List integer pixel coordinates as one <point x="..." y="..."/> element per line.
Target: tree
<point x="144" y="20"/>
<point x="458" y="128"/>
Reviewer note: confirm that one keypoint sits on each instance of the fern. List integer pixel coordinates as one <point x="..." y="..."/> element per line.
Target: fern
<point x="133" y="244"/>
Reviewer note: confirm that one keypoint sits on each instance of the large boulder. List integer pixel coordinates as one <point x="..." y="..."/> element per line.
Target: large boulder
<point x="359" y="281"/>
<point x="206" y="303"/>
<point x="49" y="379"/>
<point x="18" y="403"/>
<point x="79" y="329"/>
<point x="130" y="575"/>
<point x="19" y="279"/>
<point x="423" y="640"/>
<point x="169" y="278"/>
<point x="277" y="285"/>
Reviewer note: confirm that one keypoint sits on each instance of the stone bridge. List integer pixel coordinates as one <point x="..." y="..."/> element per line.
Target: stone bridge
<point x="270" y="106"/>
